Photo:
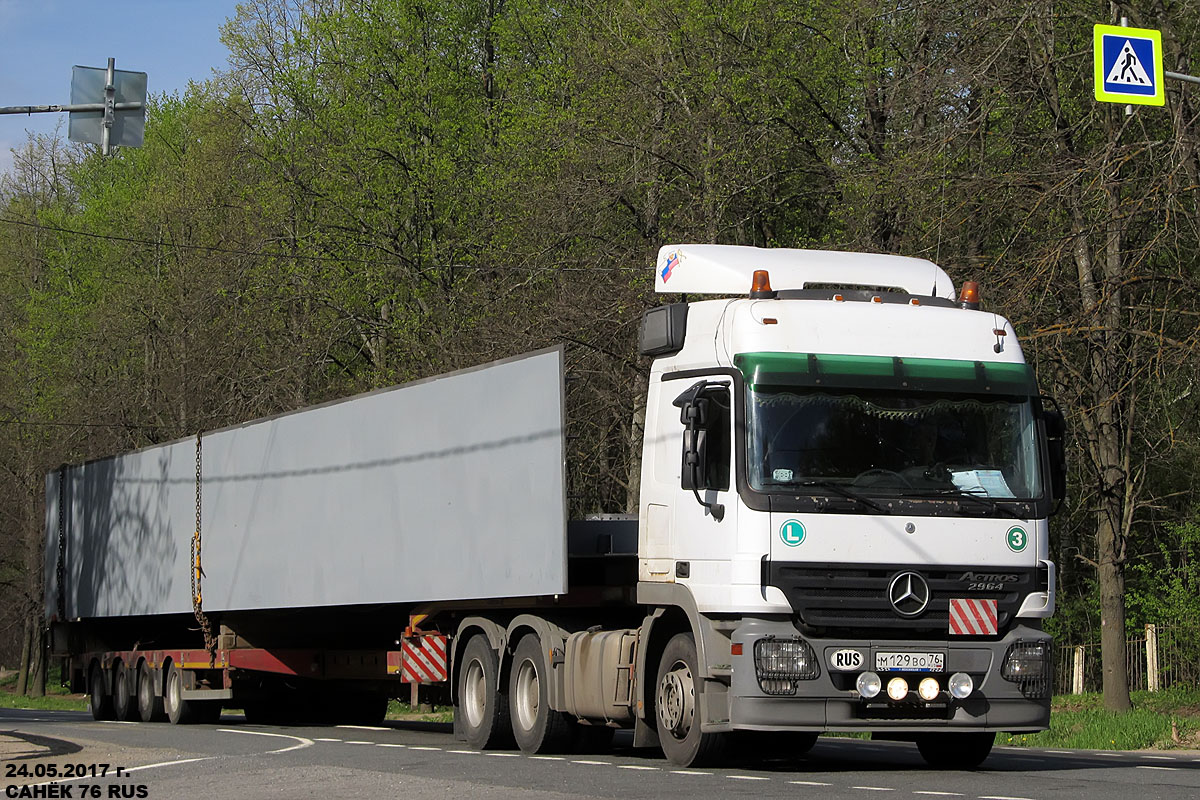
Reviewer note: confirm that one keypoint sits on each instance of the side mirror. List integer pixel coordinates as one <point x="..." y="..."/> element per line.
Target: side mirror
<point x="695" y="412"/>
<point x="1056" y="442"/>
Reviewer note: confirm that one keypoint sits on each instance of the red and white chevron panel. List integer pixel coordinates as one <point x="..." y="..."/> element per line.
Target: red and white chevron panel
<point x="423" y="659"/>
<point x="969" y="617"/>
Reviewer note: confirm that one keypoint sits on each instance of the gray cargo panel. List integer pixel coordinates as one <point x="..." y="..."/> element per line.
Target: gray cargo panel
<point x="446" y="489"/>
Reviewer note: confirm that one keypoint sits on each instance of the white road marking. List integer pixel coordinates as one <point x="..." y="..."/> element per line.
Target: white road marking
<point x="501" y="755"/>
<point x="363" y="727"/>
<point x="326" y="740"/>
<point x="112" y="722"/>
<point x="689" y="772"/>
<point x="596" y="763"/>
<point x="547" y="758"/>
<point x="358" y="741"/>
<point x="300" y="739"/>
<point x="464" y="752"/>
<point x="810" y="783"/>
<point x="1107" y="754"/>
<point x="1001" y="797"/>
<point x="129" y="769"/>
<point x="422" y="747"/>
<point x="636" y="766"/>
<point x="1147" y="766"/>
<point x="939" y="794"/>
<point x="1059" y="752"/>
<point x="747" y="778"/>
<point x="391" y="745"/>
<point x="1161" y="758"/>
<point x="874" y="788"/>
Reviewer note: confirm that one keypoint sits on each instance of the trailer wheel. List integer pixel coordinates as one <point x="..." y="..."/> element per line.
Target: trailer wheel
<point x="99" y="700"/>
<point x="482" y="709"/>
<point x="150" y="705"/>
<point x="677" y="707"/>
<point x="955" y="750"/>
<point x="536" y="727"/>
<point x="124" y="702"/>
<point x="178" y="710"/>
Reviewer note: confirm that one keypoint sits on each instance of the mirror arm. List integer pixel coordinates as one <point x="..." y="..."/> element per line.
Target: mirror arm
<point x="716" y="509"/>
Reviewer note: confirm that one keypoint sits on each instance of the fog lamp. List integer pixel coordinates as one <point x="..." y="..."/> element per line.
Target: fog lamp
<point x="868" y="684"/>
<point x="929" y="689"/>
<point x="961" y="685"/>
<point x="897" y="688"/>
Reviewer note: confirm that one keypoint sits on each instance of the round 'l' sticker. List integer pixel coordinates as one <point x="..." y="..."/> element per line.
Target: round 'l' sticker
<point x="792" y="532"/>
<point x="1017" y="539"/>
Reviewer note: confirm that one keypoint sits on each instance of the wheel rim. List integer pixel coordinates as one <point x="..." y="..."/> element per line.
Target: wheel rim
<point x="145" y="691"/>
<point x="97" y="689"/>
<point x="174" y="686"/>
<point x="676" y="700"/>
<point x="121" y="690"/>
<point x="474" y="694"/>
<point x="527" y="700"/>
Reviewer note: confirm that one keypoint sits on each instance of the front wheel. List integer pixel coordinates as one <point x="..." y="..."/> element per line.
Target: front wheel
<point x="482" y="708"/>
<point x="955" y="750"/>
<point x="536" y="727"/>
<point x="677" y="707"/>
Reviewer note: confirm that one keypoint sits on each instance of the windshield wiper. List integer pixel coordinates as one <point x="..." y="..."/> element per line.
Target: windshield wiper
<point x="849" y="494"/>
<point x="992" y="503"/>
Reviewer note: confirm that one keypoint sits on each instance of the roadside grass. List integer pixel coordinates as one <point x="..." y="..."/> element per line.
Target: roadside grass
<point x="404" y="712"/>
<point x="1163" y="720"/>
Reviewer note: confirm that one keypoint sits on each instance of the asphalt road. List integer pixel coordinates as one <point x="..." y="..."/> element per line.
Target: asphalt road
<point x="416" y="761"/>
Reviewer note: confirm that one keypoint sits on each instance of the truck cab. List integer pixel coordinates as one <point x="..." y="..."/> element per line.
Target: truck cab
<point x="846" y="479"/>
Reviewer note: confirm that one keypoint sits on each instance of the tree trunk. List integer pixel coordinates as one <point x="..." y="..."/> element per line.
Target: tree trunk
<point x="23" y="672"/>
<point x="37" y="659"/>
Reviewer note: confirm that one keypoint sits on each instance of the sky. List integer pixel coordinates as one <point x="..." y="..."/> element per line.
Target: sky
<point x="172" y="41"/>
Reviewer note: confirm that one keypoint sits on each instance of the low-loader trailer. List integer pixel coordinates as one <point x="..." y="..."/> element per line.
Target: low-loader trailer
<point x="845" y="487"/>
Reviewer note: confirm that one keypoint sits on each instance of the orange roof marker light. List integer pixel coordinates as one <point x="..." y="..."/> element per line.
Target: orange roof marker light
<point x="969" y="298"/>
<point x="760" y="287"/>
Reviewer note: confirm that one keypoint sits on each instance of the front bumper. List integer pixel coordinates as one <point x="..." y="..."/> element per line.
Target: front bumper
<point x="830" y="702"/>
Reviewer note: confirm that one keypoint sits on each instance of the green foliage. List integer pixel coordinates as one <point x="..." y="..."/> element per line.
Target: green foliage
<point x="1158" y="719"/>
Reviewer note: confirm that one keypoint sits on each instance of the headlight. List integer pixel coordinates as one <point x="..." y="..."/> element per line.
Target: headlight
<point x="781" y="663"/>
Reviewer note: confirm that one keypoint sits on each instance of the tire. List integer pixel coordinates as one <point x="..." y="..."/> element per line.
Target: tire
<point x="955" y="750"/>
<point x="99" y="700"/>
<point x="677" y="708"/>
<point x="482" y="708"/>
<point x="536" y="727"/>
<point x="124" y="700"/>
<point x="149" y="703"/>
<point x="178" y="710"/>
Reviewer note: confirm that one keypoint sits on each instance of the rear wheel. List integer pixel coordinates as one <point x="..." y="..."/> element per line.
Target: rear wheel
<point x="955" y="750"/>
<point x="124" y="702"/>
<point x="536" y="727"/>
<point x="178" y="710"/>
<point x="150" y="705"/>
<point x="99" y="700"/>
<point x="482" y="708"/>
<point x="677" y="707"/>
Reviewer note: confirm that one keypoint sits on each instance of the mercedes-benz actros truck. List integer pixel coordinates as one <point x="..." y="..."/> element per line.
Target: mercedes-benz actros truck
<point x="846" y="476"/>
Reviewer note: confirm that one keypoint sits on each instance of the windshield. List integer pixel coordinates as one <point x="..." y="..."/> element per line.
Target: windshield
<point x="892" y="441"/>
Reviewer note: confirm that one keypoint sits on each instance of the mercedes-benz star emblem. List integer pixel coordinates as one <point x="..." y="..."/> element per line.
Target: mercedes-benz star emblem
<point x="909" y="594"/>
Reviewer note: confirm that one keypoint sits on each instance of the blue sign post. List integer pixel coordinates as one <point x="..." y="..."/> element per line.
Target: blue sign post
<point x="1128" y="65"/>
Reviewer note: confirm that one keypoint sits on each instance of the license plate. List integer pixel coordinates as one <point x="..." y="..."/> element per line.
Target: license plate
<point x="910" y="662"/>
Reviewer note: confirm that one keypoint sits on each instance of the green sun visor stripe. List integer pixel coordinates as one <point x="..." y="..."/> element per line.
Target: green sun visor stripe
<point x="868" y="372"/>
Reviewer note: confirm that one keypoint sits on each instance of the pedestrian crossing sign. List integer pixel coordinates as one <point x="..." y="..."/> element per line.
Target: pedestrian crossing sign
<point x="1129" y="66"/>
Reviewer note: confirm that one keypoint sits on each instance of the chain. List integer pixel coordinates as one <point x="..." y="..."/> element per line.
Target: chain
<point x="60" y="569"/>
<point x="210" y="642"/>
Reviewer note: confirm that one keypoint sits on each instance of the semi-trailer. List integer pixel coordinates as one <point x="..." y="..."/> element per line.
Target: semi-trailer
<point x="846" y="475"/>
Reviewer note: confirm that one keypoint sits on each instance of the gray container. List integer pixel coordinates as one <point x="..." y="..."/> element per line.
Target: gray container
<point x="451" y="488"/>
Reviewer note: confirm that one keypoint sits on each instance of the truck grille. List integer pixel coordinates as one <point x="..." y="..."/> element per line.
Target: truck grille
<point x="855" y="597"/>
